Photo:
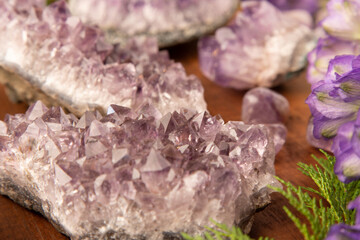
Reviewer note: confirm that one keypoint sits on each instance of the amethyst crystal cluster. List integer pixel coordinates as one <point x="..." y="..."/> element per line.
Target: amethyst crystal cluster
<point x="170" y="21"/>
<point x="258" y="48"/>
<point x="130" y="176"/>
<point x="47" y="54"/>
<point x="335" y="98"/>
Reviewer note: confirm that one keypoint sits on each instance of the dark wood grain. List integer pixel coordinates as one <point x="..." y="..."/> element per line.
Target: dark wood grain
<point x="18" y="223"/>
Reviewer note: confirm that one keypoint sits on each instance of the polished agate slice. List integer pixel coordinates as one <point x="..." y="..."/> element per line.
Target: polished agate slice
<point x="47" y="54"/>
<point x="258" y="49"/>
<point x="130" y="176"/>
<point x="171" y="22"/>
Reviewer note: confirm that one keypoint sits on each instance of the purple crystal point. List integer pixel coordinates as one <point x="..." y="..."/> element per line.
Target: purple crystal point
<point x="264" y="106"/>
<point x="170" y="21"/>
<point x="109" y="178"/>
<point x="48" y="54"/>
<point x="257" y="49"/>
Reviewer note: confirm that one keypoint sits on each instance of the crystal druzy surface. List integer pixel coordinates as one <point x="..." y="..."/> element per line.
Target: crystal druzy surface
<point x="130" y="176"/>
<point x="170" y="21"/>
<point x="47" y="54"/>
<point x="258" y="48"/>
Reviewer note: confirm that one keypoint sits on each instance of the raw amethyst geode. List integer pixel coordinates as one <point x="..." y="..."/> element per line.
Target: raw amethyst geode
<point x="130" y="176"/>
<point x="258" y="48"/>
<point x="171" y="22"/>
<point x="47" y="54"/>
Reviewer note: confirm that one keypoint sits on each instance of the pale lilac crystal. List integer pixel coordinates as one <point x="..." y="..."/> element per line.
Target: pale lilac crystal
<point x="264" y="106"/>
<point x="258" y="48"/>
<point x="170" y="21"/>
<point x="130" y="176"/>
<point x="50" y="55"/>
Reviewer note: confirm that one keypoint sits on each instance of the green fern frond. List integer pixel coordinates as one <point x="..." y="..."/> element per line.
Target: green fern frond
<point x="337" y="195"/>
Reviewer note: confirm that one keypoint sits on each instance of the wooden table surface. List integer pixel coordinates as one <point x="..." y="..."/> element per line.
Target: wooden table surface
<point x="18" y="223"/>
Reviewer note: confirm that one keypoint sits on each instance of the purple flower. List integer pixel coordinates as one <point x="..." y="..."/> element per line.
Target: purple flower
<point x="336" y="99"/>
<point x="326" y="49"/>
<point x="343" y="20"/>
<point x="346" y="232"/>
<point x="308" y="5"/>
<point x="346" y="148"/>
<point x="355" y="205"/>
<point x="343" y="232"/>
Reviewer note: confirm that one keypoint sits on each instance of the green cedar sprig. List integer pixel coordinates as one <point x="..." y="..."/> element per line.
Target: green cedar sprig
<point x="320" y="217"/>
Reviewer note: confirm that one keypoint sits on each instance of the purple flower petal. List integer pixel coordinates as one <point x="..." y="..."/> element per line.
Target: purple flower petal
<point x="327" y="49"/>
<point x="346" y="150"/>
<point x="343" y="20"/>
<point x="343" y="232"/>
<point x="322" y="143"/>
<point x="356" y="205"/>
<point x="335" y="100"/>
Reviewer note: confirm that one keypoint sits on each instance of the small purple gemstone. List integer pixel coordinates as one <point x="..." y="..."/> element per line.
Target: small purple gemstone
<point x="258" y="48"/>
<point x="262" y="105"/>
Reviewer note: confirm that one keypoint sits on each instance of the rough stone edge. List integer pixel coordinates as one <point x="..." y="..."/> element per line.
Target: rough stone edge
<point x="28" y="200"/>
<point x="25" y="198"/>
<point x="22" y="88"/>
